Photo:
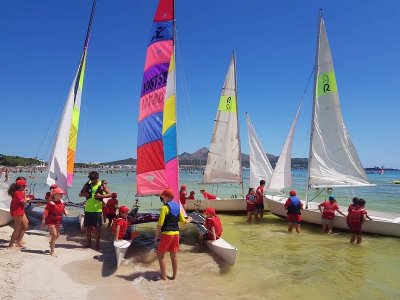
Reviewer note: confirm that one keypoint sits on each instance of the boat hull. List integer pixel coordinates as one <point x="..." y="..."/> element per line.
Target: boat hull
<point x="221" y="205"/>
<point x="382" y="223"/>
<point x="5" y="217"/>
<point x="121" y="247"/>
<point x="220" y="247"/>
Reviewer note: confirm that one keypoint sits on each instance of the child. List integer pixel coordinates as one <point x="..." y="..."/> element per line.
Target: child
<point x="111" y="208"/>
<point x="213" y="225"/>
<point x="120" y="226"/>
<point x="53" y="215"/>
<point x="356" y="218"/>
<point x="328" y="214"/>
<point x="183" y="196"/>
<point x="17" y="211"/>
<point x="191" y="195"/>
<point x="293" y="206"/>
<point x="251" y="205"/>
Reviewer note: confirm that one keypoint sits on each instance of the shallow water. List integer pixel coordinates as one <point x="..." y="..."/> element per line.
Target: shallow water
<point x="271" y="263"/>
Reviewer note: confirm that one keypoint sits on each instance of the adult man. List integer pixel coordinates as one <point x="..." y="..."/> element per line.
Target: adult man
<point x="168" y="227"/>
<point x="94" y="192"/>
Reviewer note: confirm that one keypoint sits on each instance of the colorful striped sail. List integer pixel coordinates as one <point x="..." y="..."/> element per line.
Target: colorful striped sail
<point x="61" y="165"/>
<point x="157" y="162"/>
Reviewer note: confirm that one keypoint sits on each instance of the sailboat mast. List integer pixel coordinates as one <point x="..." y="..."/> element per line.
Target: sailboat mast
<point x="237" y="120"/>
<point x="313" y="106"/>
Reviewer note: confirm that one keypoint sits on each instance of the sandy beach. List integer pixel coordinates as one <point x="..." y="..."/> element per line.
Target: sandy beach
<point x="76" y="272"/>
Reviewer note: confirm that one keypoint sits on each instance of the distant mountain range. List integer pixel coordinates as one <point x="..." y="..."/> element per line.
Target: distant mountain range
<point x="199" y="158"/>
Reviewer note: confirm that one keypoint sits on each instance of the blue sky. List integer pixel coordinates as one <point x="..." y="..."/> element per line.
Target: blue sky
<point x="41" y="44"/>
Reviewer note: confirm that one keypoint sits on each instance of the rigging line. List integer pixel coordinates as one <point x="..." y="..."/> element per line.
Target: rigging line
<point x="48" y="129"/>
<point x="186" y="90"/>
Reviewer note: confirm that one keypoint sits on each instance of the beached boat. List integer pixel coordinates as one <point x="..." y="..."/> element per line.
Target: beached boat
<point x="340" y="168"/>
<point x="5" y="200"/>
<point x="157" y="163"/>
<point x="5" y="216"/>
<point x="220" y="247"/>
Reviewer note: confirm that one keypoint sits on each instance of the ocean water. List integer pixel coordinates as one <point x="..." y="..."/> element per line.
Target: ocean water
<point x="271" y="263"/>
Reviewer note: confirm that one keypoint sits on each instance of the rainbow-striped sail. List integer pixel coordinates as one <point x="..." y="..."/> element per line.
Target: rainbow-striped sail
<point x="157" y="162"/>
<point x="61" y="165"/>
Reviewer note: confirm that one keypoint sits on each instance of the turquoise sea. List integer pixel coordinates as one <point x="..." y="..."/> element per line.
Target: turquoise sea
<point x="271" y="263"/>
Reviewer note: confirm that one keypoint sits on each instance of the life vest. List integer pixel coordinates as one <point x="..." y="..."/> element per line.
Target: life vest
<point x="260" y="195"/>
<point x="182" y="197"/>
<point x="251" y="202"/>
<point x="123" y="226"/>
<point x="111" y="206"/>
<point x="56" y="210"/>
<point x="171" y="220"/>
<point x="349" y="210"/>
<point x="329" y="210"/>
<point x="92" y="204"/>
<point x="356" y="216"/>
<point x="294" y="206"/>
<point x="216" y="223"/>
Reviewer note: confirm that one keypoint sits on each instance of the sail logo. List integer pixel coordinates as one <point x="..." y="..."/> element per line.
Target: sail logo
<point x="161" y="31"/>
<point x="227" y="103"/>
<point x="326" y="83"/>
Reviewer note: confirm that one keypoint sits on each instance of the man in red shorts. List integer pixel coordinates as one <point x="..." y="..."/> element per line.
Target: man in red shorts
<point x="167" y="225"/>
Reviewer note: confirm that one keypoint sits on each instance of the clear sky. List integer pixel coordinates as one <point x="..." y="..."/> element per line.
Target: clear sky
<point x="41" y="44"/>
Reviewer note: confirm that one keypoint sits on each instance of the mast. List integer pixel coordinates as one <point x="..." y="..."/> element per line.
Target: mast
<point x="313" y="106"/>
<point x="238" y="126"/>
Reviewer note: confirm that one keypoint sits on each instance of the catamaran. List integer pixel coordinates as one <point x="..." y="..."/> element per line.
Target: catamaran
<point x="157" y="161"/>
<point x="333" y="159"/>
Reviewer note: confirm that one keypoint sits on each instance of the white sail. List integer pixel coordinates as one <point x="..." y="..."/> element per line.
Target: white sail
<point x="223" y="161"/>
<point x="282" y="175"/>
<point x="58" y="162"/>
<point x="333" y="159"/>
<point x="260" y="167"/>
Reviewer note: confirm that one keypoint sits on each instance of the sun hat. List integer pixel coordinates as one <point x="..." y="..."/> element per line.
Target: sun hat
<point x="192" y="193"/>
<point x="21" y="182"/>
<point x="331" y="197"/>
<point x="209" y="211"/>
<point x="168" y="193"/>
<point x="183" y="187"/>
<point x="123" y="209"/>
<point x="292" y="193"/>
<point x="114" y="195"/>
<point x="57" y="191"/>
<point x="53" y="186"/>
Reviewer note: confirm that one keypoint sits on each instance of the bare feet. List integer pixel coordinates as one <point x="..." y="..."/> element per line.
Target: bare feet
<point x="53" y="254"/>
<point x="171" y="277"/>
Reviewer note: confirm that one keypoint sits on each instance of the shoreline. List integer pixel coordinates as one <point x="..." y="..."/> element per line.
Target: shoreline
<point x="76" y="272"/>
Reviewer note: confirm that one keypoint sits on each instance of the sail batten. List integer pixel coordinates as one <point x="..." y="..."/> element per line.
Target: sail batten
<point x="157" y="157"/>
<point x="62" y="161"/>
<point x="333" y="158"/>
<point x="224" y="161"/>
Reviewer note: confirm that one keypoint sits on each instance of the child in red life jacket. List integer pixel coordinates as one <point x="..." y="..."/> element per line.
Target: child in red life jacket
<point x="191" y="195"/>
<point x="111" y="208"/>
<point x="356" y="218"/>
<point x="213" y="225"/>
<point x="120" y="226"/>
<point x="53" y="215"/>
<point x="328" y="214"/>
<point x="251" y="208"/>
<point x="293" y="206"/>
<point x="183" y="196"/>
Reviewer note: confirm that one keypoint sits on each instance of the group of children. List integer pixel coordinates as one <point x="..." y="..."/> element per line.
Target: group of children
<point x="356" y="216"/>
<point x="255" y="203"/>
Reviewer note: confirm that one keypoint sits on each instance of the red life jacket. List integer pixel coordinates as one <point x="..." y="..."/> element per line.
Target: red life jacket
<point x="329" y="210"/>
<point x="56" y="210"/>
<point x="182" y="197"/>
<point x="123" y="226"/>
<point x="216" y="223"/>
<point x="356" y="216"/>
<point x="260" y="195"/>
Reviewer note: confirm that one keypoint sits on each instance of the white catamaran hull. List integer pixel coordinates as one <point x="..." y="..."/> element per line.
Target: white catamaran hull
<point x="220" y="247"/>
<point x="221" y="205"/>
<point x="121" y="247"/>
<point x="5" y="216"/>
<point x="382" y="223"/>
